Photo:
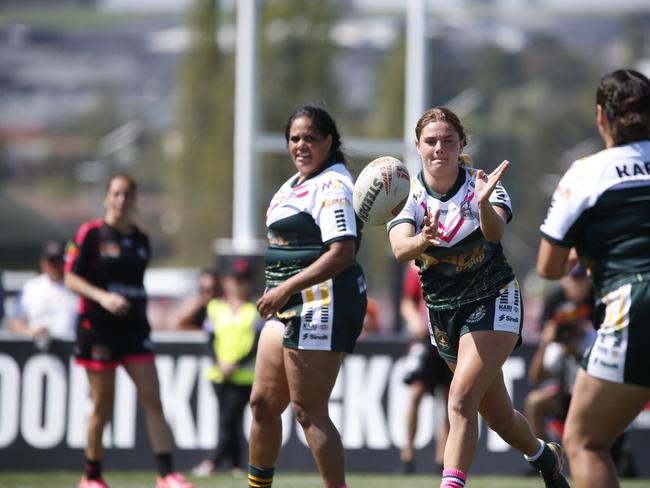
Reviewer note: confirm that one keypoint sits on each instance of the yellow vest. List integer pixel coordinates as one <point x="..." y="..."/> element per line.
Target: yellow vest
<point x="234" y="337"/>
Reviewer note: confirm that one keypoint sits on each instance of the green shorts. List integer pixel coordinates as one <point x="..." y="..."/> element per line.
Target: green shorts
<point x="503" y="312"/>
<point x="621" y="351"/>
<point x="327" y="316"/>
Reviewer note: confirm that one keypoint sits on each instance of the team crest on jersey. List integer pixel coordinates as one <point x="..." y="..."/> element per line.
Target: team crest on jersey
<point x="466" y="210"/>
<point x="441" y="338"/>
<point x="478" y="313"/>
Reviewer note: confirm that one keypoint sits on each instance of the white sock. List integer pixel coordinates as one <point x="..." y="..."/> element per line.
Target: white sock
<point x="536" y="456"/>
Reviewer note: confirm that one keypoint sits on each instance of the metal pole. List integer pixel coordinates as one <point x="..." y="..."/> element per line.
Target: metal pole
<point x="246" y="110"/>
<point x="415" y="82"/>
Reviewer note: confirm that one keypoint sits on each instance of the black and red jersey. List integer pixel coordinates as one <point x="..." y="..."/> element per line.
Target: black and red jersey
<point x="113" y="261"/>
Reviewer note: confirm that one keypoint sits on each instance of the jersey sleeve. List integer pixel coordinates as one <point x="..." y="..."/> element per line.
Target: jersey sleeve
<point x="412" y="212"/>
<point x="569" y="202"/>
<point x="333" y="211"/>
<point x="78" y="250"/>
<point x="500" y="198"/>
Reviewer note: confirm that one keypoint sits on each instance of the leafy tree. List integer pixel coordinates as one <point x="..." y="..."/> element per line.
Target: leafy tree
<point x="201" y="178"/>
<point x="296" y="67"/>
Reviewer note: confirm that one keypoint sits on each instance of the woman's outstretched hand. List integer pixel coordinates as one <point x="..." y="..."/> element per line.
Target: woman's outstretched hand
<point x="485" y="183"/>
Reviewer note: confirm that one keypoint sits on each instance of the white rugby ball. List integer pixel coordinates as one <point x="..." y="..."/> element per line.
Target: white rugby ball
<point x="381" y="190"/>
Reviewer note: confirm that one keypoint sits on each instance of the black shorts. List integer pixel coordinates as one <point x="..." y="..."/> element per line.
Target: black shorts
<point x="103" y="344"/>
<point x="503" y="312"/>
<point x="424" y="364"/>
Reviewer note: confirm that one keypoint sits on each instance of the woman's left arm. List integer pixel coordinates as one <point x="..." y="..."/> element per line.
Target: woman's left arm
<point x="339" y="256"/>
<point x="493" y="221"/>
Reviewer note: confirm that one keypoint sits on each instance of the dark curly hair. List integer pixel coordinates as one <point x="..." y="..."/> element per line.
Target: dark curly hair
<point x="624" y="96"/>
<point x="324" y="124"/>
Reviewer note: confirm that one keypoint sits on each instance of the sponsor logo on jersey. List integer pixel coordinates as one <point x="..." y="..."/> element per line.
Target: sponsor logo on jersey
<point x="478" y="313"/>
<point x="315" y="337"/>
<point x="109" y="249"/>
<point x="333" y="185"/>
<point x="507" y="318"/>
<point x="508" y="308"/>
<point x="336" y="202"/>
<point x="633" y="169"/>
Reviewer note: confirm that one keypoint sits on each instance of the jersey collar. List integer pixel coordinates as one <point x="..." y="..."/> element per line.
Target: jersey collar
<point x="327" y="164"/>
<point x="460" y="180"/>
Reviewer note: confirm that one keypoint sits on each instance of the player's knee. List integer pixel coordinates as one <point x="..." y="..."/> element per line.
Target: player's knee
<point x="150" y="401"/>
<point x="302" y="415"/>
<point x="262" y="408"/>
<point x="103" y="411"/>
<point x="461" y="403"/>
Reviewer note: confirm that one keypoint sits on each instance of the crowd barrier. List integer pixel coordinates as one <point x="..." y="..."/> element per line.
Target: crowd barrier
<point x="44" y="405"/>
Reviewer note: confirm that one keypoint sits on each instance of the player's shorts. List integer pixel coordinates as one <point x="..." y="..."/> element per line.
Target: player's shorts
<point x="104" y="344"/>
<point x="327" y="316"/>
<point x="621" y="351"/>
<point x="423" y="363"/>
<point x="503" y="312"/>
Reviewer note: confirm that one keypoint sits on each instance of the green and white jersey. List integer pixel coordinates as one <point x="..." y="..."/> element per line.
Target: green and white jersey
<point x="302" y="220"/>
<point x="602" y="208"/>
<point x="465" y="267"/>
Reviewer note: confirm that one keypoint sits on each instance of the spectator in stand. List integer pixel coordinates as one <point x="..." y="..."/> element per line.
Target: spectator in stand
<point x="192" y="313"/>
<point x="46" y="308"/>
<point x="371" y="324"/>
<point x="235" y="325"/>
<point x="426" y="373"/>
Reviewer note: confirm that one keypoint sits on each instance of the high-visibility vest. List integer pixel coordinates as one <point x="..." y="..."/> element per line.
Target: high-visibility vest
<point x="234" y="338"/>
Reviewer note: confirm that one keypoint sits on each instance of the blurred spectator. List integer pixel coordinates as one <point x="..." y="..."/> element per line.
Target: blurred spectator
<point x="46" y="308"/>
<point x="427" y="372"/>
<point x="192" y="313"/>
<point x="371" y="319"/>
<point x="235" y="325"/>
<point x="567" y="332"/>
<point x="2" y="298"/>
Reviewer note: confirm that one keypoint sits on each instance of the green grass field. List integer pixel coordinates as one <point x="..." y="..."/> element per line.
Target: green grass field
<point x="139" y="479"/>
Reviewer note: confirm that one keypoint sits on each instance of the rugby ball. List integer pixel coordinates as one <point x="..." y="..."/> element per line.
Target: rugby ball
<point x="381" y="190"/>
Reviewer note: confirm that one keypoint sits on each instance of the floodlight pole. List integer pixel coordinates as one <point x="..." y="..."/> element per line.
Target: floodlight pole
<point x="415" y="80"/>
<point x="244" y="220"/>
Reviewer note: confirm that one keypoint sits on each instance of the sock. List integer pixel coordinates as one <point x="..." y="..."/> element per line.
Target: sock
<point x="453" y="478"/>
<point x="93" y="469"/>
<point x="164" y="462"/>
<point x="543" y="460"/>
<point x="260" y="477"/>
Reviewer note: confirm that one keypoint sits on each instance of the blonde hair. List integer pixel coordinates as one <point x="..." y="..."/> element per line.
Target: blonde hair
<point x="466" y="160"/>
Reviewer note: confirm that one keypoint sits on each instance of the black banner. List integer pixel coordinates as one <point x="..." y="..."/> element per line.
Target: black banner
<point x="44" y="404"/>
